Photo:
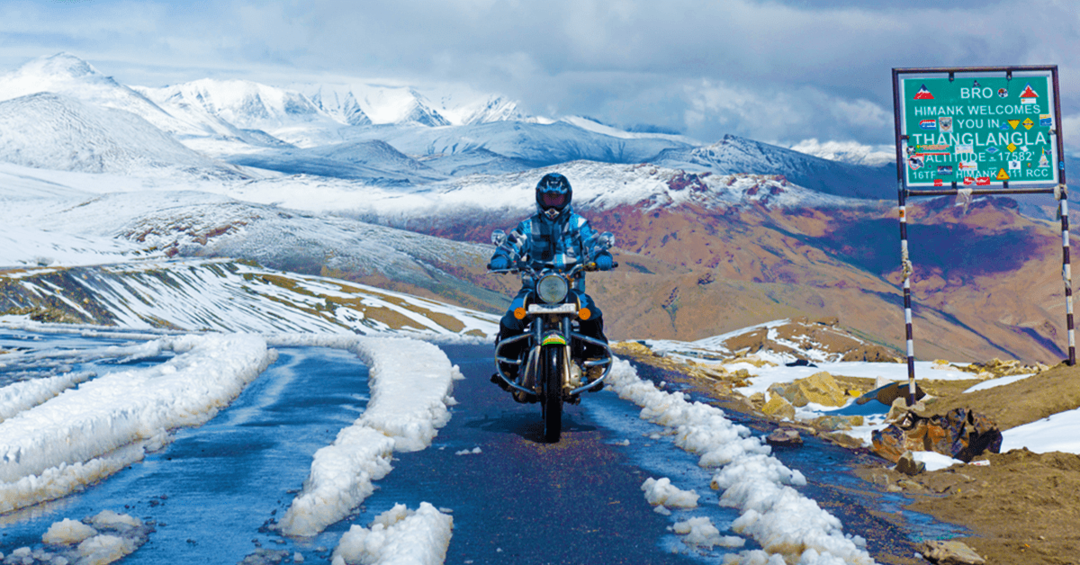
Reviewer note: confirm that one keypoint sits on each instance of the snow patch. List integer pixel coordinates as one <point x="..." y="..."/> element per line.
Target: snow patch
<point x="663" y="493"/>
<point x="700" y="532"/>
<point x="399" y="535"/>
<point x="68" y="532"/>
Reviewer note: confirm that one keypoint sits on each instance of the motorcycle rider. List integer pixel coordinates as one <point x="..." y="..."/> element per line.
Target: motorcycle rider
<point x="554" y="236"/>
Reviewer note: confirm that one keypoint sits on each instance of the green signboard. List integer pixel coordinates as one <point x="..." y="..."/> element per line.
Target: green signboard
<point x="979" y="131"/>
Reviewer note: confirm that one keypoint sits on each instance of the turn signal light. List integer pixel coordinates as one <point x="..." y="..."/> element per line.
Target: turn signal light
<point x="584" y="314"/>
<point x="519" y="313"/>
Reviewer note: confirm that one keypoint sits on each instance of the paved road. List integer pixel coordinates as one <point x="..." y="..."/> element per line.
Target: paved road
<point x="517" y="500"/>
<point x="523" y="501"/>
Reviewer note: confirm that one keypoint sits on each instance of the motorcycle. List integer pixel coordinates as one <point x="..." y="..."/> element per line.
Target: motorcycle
<point x="551" y="369"/>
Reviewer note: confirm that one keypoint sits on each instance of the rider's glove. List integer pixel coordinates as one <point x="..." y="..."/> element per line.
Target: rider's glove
<point x="499" y="263"/>
<point x="604" y="262"/>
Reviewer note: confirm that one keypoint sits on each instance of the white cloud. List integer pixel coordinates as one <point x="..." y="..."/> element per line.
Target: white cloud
<point x="780" y="115"/>
<point x="822" y="67"/>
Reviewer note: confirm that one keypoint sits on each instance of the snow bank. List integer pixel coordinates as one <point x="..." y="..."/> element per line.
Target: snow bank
<point x="410" y="383"/>
<point x="1058" y="432"/>
<point x="87" y="433"/>
<point x="398" y="536"/>
<point x="935" y="461"/>
<point x="786" y="524"/>
<point x="340" y="479"/>
<point x="17" y="397"/>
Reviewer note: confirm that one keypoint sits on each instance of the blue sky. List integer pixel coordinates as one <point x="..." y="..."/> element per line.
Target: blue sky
<point x="776" y="71"/>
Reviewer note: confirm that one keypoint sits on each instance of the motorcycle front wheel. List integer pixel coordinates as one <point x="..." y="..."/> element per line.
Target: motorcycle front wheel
<point x="552" y="370"/>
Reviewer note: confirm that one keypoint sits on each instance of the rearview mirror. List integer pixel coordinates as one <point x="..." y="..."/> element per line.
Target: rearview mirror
<point x="606" y="240"/>
<point x="498" y="237"/>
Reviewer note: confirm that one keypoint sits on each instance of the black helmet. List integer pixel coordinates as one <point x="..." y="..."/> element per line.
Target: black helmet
<point x="553" y="194"/>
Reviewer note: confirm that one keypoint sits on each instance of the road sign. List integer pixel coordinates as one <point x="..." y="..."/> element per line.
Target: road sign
<point x="978" y="125"/>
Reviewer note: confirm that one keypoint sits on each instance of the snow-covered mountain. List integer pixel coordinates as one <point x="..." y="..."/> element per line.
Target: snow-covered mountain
<point x="734" y="154"/>
<point x="366" y="104"/>
<point x="850" y="152"/>
<point x="491" y="109"/>
<point x="536" y="144"/>
<point x="372" y="161"/>
<point x="52" y="131"/>
<point x="285" y="114"/>
<point x="321" y="129"/>
<point x="344" y="108"/>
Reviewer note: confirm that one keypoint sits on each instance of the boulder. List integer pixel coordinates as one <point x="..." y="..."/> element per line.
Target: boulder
<point x="778" y="407"/>
<point x="950" y="552"/>
<point x="784" y="436"/>
<point x="836" y="423"/>
<point x="900" y="409"/>
<point x="959" y="433"/>
<point x="820" y="388"/>
<point x="908" y="465"/>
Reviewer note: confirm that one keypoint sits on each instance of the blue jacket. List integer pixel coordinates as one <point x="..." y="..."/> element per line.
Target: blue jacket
<point x="563" y="242"/>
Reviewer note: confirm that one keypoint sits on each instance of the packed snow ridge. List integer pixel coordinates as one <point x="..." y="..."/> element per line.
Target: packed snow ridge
<point x="410" y="384"/>
<point x="90" y="432"/>
<point x="58" y="439"/>
<point x="789" y="527"/>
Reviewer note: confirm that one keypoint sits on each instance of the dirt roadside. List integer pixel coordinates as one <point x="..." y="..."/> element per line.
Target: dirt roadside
<point x="1022" y="507"/>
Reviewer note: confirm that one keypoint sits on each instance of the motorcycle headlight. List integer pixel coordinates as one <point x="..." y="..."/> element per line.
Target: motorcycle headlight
<point x="552" y="289"/>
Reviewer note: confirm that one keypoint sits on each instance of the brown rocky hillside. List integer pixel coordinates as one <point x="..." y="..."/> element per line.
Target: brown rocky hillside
<point x="987" y="279"/>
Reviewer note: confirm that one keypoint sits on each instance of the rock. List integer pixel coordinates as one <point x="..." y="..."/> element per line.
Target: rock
<point x="265" y="557"/>
<point x="757" y="399"/>
<point x="834" y="423"/>
<point x="635" y="348"/>
<point x="784" y="436"/>
<point x="844" y="440"/>
<point x="908" y="465"/>
<point x="820" y="388"/>
<point x="959" y="433"/>
<point x="778" y="407"/>
<point x="950" y="552"/>
<point x="900" y="409"/>
<point x="910" y="486"/>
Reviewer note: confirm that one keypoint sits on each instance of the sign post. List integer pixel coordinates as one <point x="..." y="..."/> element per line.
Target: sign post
<point x="969" y="131"/>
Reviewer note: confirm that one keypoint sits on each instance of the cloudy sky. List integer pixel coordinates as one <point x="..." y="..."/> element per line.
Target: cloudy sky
<point x="780" y="71"/>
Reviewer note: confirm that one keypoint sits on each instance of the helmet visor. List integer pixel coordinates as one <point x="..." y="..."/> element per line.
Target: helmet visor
<point x="554" y="199"/>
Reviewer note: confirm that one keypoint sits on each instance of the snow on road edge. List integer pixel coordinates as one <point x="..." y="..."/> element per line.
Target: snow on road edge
<point x="779" y="518"/>
<point x="410" y="383"/>
<point x="88" y="433"/>
<point x="399" y="535"/>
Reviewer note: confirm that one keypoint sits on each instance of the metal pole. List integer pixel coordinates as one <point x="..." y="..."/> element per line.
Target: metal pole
<point x="905" y="259"/>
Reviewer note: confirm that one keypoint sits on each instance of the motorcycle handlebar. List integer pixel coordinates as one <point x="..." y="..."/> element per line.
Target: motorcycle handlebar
<point x="588" y="267"/>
